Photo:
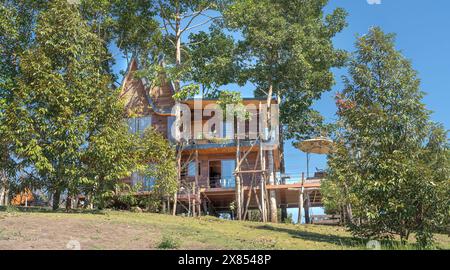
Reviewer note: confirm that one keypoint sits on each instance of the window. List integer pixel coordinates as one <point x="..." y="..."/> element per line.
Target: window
<point x="192" y="169"/>
<point x="228" y="129"/>
<point x="170" y="123"/>
<point x="227" y="175"/>
<point x="147" y="182"/>
<point x="138" y="125"/>
<point x="144" y="123"/>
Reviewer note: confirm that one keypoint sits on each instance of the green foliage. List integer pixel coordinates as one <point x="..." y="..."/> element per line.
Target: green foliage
<point x="16" y="24"/>
<point x="63" y="108"/>
<point x="232" y="100"/>
<point x="391" y="162"/>
<point x="168" y="242"/>
<point x="11" y="209"/>
<point x="186" y="92"/>
<point x="135" y="28"/>
<point x="156" y="157"/>
<point x="213" y="59"/>
<point x="122" y="197"/>
<point x="287" y="46"/>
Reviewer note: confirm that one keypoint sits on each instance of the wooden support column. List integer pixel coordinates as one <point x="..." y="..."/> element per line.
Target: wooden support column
<point x="238" y="190"/>
<point x="300" y="201"/>
<point x="262" y="186"/>
<point x="205" y="207"/>
<point x="193" y="208"/>
<point x="175" y="196"/>
<point x="194" y="201"/>
<point x="168" y="205"/>
<point x="197" y="205"/>
<point x="307" y="218"/>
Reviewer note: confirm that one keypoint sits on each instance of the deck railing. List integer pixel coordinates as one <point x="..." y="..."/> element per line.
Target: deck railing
<point x="294" y="178"/>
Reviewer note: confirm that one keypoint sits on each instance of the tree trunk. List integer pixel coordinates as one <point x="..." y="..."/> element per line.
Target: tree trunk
<point x="174" y="210"/>
<point x="282" y="169"/>
<point x="272" y="194"/>
<point x="56" y="198"/>
<point x="349" y="212"/>
<point x="168" y="205"/>
<point x="177" y="82"/>
<point x="238" y="192"/>
<point x="348" y="207"/>
<point x="270" y="161"/>
<point x="163" y="206"/>
<point x="68" y="203"/>
<point x="282" y="163"/>
<point x="300" y="206"/>
<point x="307" y="217"/>
<point x="3" y="188"/>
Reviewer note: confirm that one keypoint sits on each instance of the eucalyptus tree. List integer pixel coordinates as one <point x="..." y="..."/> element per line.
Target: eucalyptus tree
<point x="286" y="51"/>
<point x="392" y="163"/>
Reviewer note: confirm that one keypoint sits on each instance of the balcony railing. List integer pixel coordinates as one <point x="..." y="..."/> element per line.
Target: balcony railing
<point x="227" y="183"/>
<point x="295" y="178"/>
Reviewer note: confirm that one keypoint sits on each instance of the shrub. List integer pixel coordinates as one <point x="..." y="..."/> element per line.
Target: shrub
<point x="168" y="242"/>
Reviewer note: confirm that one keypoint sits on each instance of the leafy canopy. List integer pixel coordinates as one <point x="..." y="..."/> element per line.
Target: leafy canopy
<point x="391" y="161"/>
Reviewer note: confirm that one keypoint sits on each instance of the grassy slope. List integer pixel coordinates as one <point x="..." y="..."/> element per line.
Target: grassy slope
<point x="123" y="230"/>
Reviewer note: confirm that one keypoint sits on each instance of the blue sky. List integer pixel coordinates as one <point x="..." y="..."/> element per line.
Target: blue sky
<point x="423" y="35"/>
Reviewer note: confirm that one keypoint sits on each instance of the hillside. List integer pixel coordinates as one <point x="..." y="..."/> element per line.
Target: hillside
<point x="124" y="230"/>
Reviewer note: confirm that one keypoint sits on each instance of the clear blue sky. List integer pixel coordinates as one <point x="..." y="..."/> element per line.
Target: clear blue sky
<point x="423" y="35"/>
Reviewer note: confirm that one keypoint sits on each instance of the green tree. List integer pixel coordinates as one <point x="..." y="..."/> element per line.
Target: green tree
<point x="286" y="51"/>
<point x="392" y="161"/>
<point x="157" y="161"/>
<point x="16" y="28"/>
<point x="171" y="28"/>
<point x="63" y="100"/>
<point x="213" y="58"/>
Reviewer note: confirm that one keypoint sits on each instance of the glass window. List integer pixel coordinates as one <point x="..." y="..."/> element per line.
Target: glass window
<point x="132" y="125"/>
<point x="138" y="125"/>
<point x="192" y="169"/>
<point x="145" y="181"/>
<point x="228" y="129"/>
<point x="170" y="123"/>
<point x="228" y="179"/>
<point x="148" y="183"/>
<point x="144" y="122"/>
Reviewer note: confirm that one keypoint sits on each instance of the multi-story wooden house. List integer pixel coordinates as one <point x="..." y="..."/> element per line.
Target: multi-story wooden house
<point x="208" y="167"/>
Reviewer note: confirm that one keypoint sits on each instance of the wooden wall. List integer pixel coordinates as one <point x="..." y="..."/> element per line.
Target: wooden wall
<point x="203" y="179"/>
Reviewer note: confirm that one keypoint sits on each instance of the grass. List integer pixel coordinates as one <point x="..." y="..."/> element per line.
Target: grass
<point x="125" y="230"/>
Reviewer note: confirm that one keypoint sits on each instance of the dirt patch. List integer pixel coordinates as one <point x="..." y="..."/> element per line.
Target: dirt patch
<point x="31" y="231"/>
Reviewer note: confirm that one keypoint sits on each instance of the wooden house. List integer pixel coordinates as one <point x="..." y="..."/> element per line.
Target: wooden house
<point x="208" y="168"/>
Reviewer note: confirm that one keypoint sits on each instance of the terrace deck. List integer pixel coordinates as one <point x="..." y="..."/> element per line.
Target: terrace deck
<point x="287" y="195"/>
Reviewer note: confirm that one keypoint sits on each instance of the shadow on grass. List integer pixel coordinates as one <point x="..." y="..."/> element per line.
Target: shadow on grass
<point x="33" y="209"/>
<point x="344" y="241"/>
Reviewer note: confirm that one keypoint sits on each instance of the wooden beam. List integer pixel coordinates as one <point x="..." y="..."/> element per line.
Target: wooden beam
<point x="300" y="201"/>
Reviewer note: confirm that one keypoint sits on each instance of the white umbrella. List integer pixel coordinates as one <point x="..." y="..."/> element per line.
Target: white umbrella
<point x="320" y="145"/>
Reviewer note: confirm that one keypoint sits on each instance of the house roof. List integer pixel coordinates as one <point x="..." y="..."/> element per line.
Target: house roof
<point x="246" y="101"/>
<point x="143" y="97"/>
